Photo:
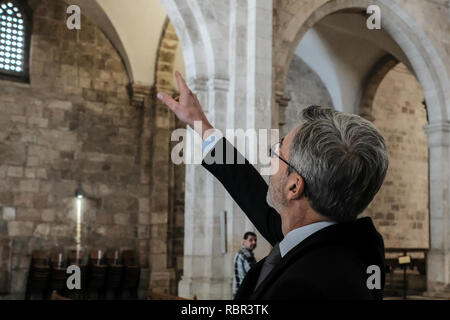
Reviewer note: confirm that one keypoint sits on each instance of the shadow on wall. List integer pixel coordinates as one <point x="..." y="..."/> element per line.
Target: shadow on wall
<point x="305" y="88"/>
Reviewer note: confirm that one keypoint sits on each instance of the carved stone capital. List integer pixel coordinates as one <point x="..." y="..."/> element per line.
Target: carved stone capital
<point x="281" y="99"/>
<point x="138" y="93"/>
<point x="438" y="134"/>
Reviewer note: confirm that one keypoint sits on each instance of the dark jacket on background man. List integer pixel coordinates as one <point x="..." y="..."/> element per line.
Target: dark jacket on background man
<point x="329" y="264"/>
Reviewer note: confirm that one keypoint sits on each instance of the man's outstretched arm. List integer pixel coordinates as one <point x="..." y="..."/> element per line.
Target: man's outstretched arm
<point x="242" y="181"/>
<point x="246" y="186"/>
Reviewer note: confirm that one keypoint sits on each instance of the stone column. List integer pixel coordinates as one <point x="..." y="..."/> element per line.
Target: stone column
<point x="198" y="233"/>
<point x="141" y="98"/>
<point x="162" y="274"/>
<point x="438" y="259"/>
<point x="204" y="200"/>
<point x="241" y="100"/>
<point x="259" y="97"/>
<point x="138" y="94"/>
<point x="156" y="174"/>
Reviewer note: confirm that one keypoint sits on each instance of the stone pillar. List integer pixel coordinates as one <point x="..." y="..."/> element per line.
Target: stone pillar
<point x="438" y="259"/>
<point x="242" y="100"/>
<point x="259" y="102"/>
<point x="197" y="236"/>
<point x="204" y="199"/>
<point x="162" y="274"/>
<point x="156" y="174"/>
<point x="138" y="94"/>
<point x="143" y="221"/>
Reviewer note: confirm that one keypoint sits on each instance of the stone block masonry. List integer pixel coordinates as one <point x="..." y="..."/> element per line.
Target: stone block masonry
<point x="72" y="124"/>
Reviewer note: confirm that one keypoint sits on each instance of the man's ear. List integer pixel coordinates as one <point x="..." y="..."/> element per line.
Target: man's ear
<point x="295" y="187"/>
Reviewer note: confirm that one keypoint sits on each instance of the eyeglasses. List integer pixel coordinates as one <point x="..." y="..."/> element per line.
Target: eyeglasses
<point x="274" y="152"/>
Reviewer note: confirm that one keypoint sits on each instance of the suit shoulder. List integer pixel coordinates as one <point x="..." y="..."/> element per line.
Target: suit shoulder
<point x="336" y="273"/>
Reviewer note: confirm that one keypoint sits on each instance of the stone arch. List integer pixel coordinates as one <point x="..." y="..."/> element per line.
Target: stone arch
<point x="198" y="29"/>
<point x="194" y="29"/>
<point x="432" y="74"/>
<point x="200" y="36"/>
<point x="426" y="63"/>
<point x="95" y="12"/>
<point x="371" y="84"/>
<point x="165" y="61"/>
<point x="218" y="70"/>
<point x="165" y="254"/>
<point x="401" y="208"/>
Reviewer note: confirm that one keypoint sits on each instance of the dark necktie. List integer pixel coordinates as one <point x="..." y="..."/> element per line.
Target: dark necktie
<point x="271" y="261"/>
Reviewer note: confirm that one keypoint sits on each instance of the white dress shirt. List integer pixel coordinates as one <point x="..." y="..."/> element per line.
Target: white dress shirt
<point x="209" y="143"/>
<point x="294" y="237"/>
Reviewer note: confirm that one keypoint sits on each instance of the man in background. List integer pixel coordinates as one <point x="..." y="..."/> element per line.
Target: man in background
<point x="244" y="260"/>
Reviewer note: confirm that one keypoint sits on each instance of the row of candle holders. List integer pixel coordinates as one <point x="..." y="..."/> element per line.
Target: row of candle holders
<point x="59" y="259"/>
<point x="103" y="273"/>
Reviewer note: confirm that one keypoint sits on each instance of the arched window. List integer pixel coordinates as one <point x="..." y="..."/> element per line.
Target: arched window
<point x="15" y="33"/>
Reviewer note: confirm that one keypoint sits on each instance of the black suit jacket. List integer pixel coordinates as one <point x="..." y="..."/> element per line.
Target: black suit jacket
<point x="329" y="264"/>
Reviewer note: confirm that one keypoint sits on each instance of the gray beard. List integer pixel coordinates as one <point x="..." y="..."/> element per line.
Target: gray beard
<point x="269" y="197"/>
<point x="270" y="194"/>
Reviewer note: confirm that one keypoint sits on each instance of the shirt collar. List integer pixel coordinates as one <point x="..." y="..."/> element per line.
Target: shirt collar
<point x="294" y="237"/>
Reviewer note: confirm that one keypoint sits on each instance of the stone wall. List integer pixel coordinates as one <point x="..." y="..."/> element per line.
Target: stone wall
<point x="400" y="209"/>
<point x="292" y="18"/>
<point x="304" y="88"/>
<point x="166" y="179"/>
<point x="72" y="126"/>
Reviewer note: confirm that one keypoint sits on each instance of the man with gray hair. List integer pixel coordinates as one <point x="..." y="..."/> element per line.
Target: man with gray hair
<point x="326" y="171"/>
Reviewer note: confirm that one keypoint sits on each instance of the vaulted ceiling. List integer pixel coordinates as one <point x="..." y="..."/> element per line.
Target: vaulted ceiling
<point x="135" y="29"/>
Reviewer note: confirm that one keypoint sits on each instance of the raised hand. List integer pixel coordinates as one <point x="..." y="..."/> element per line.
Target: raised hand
<point x="187" y="108"/>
